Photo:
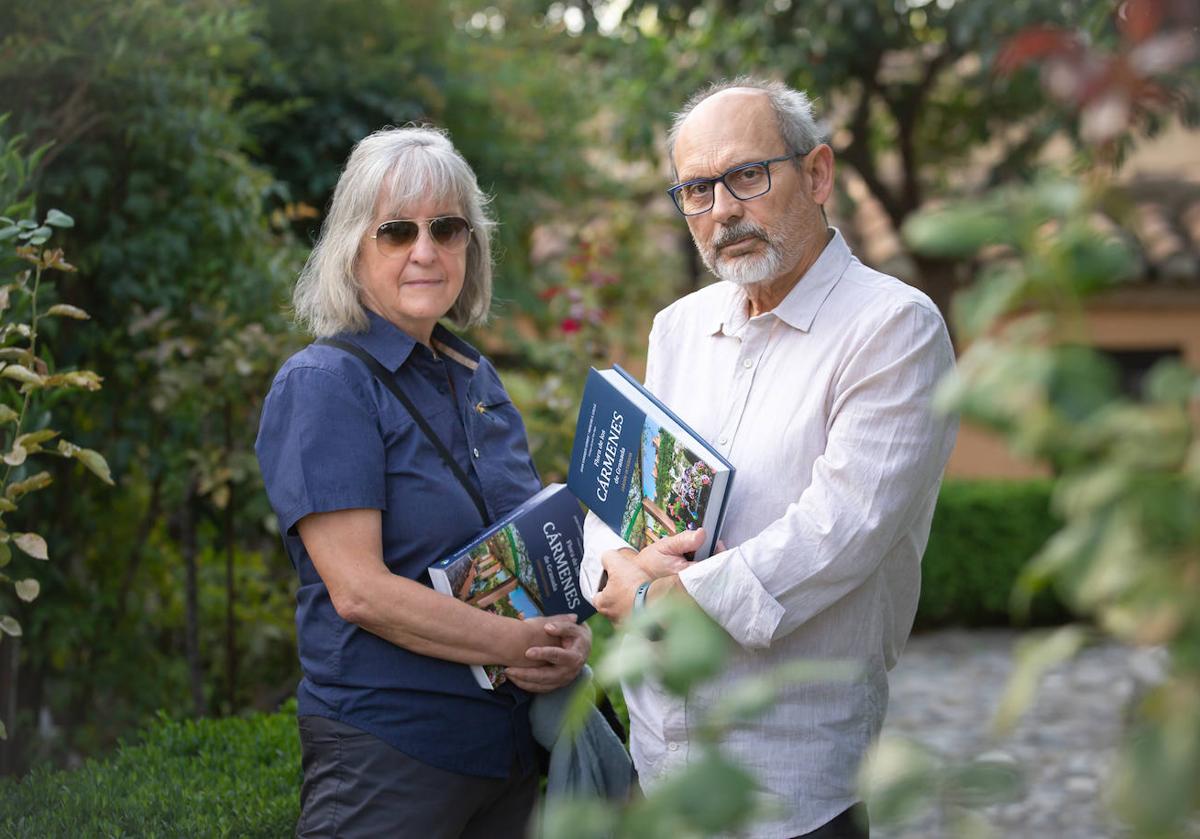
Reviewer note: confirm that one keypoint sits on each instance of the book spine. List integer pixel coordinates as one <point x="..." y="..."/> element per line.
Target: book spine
<point x="675" y="417"/>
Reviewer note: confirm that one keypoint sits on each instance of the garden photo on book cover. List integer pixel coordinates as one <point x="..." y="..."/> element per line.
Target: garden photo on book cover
<point x="490" y="579"/>
<point x="669" y="491"/>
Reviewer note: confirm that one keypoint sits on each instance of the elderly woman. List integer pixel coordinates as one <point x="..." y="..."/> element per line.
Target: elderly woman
<point x="397" y="738"/>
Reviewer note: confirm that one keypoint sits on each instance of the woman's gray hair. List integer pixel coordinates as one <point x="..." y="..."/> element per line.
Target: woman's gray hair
<point x="793" y="110"/>
<point x="405" y="166"/>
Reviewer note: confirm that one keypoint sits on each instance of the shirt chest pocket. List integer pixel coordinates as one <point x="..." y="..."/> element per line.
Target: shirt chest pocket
<point x="498" y="441"/>
<point x="493" y="417"/>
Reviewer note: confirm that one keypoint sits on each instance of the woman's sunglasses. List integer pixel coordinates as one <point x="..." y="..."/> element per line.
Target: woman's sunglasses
<point x="395" y="237"/>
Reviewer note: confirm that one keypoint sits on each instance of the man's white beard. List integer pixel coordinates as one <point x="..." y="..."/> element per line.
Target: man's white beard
<point x="747" y="269"/>
<point x="751" y="269"/>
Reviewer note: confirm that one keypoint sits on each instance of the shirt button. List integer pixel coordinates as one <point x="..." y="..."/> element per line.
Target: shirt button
<point x="475" y="452"/>
<point x="723" y="441"/>
<point x="673" y="746"/>
<point x="748" y="363"/>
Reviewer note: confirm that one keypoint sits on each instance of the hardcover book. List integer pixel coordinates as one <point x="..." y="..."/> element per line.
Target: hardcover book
<point x="524" y="566"/>
<point x="641" y="469"/>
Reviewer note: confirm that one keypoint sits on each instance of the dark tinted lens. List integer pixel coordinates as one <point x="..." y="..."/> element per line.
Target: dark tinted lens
<point x="393" y="235"/>
<point x="449" y="231"/>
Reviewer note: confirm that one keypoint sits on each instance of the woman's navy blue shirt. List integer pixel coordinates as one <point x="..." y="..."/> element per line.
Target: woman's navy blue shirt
<point x="332" y="437"/>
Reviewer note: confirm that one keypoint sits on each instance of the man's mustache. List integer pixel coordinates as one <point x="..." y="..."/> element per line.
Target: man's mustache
<point x="740" y="231"/>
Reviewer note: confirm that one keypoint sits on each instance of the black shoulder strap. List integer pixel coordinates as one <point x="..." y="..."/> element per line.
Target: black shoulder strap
<point x="389" y="382"/>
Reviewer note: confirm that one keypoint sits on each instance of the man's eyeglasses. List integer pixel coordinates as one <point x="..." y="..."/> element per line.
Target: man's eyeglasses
<point x="395" y="237"/>
<point x="750" y="180"/>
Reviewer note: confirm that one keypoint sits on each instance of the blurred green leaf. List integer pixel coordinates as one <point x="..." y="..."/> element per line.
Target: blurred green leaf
<point x="1033" y="656"/>
<point x="709" y="794"/>
<point x="577" y="819"/>
<point x="35" y="482"/>
<point x="32" y="544"/>
<point x="693" y="648"/>
<point x="27" y="589"/>
<point x="991" y="778"/>
<point x="57" y="218"/>
<point x="67" y="311"/>
<point x="899" y="778"/>
<point x="39" y="236"/>
<point x="36" y="438"/>
<point x="16" y="456"/>
<point x="9" y="625"/>
<point x="95" y="463"/>
<point x="958" y="232"/>
<point x="21" y="374"/>
<point x="751" y="697"/>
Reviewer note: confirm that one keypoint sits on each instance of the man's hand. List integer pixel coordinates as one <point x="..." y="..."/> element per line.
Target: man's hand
<point x="625" y="571"/>
<point x="665" y="557"/>
<point x="551" y="667"/>
<point x="623" y="576"/>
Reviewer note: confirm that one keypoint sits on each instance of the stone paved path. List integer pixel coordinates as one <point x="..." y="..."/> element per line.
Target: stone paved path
<point x="944" y="692"/>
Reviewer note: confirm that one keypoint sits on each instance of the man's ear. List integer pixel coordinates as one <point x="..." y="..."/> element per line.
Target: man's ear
<point x="818" y="163"/>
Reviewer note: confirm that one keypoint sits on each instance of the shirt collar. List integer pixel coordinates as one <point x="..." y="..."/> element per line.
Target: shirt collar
<point x="799" y="309"/>
<point x="391" y="346"/>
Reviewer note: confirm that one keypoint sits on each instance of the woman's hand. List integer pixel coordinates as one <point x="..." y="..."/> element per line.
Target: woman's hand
<point x="553" y="666"/>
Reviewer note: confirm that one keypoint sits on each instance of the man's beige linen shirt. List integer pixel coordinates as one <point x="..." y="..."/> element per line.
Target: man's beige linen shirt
<point x="824" y="407"/>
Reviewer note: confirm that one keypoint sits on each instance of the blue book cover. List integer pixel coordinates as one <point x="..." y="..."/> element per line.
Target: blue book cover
<point x="641" y="469"/>
<point x="525" y="565"/>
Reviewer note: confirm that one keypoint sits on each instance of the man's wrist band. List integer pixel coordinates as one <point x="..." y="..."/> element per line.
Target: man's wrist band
<point x="639" y="596"/>
<point x="654" y="632"/>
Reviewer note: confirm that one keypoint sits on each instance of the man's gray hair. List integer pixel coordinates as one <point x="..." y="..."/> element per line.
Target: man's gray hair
<point x="396" y="168"/>
<point x="793" y="110"/>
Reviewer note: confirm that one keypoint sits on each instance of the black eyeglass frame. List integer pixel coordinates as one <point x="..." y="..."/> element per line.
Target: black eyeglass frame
<point x="428" y="225"/>
<point x="720" y="179"/>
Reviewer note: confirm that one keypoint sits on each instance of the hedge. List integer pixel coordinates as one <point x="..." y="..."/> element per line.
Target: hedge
<point x="983" y="533"/>
<point x="234" y="777"/>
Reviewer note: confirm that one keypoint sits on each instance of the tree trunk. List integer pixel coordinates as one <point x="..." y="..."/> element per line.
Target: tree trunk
<point x="695" y="271"/>
<point x="939" y="279"/>
<point x="10" y="656"/>
<point x="231" y="652"/>
<point x="192" y="602"/>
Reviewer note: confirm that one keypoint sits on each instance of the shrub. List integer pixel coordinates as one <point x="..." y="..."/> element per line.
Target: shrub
<point x="984" y="532"/>
<point x="238" y="776"/>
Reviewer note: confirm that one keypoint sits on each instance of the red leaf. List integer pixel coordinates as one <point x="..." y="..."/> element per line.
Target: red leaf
<point x="1139" y="19"/>
<point x="1034" y="43"/>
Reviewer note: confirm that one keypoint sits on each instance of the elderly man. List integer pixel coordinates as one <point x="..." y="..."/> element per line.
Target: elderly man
<point x="814" y="375"/>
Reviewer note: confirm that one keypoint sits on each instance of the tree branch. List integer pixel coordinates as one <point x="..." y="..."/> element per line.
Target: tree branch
<point x="858" y="152"/>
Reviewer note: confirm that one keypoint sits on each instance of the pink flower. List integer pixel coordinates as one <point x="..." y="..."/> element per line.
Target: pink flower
<point x="569" y="325"/>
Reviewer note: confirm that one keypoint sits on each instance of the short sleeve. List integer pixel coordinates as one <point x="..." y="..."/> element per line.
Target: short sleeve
<point x="319" y="447"/>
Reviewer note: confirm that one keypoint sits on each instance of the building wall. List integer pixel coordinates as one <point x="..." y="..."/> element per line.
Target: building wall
<point x="1152" y="319"/>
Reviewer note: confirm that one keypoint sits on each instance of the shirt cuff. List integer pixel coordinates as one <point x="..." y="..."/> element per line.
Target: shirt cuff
<point x="728" y="591"/>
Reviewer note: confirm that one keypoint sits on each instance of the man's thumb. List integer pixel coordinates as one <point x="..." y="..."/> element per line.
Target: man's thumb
<point x="683" y="542"/>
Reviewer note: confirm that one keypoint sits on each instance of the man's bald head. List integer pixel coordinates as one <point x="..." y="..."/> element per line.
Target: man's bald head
<point x="792" y="110"/>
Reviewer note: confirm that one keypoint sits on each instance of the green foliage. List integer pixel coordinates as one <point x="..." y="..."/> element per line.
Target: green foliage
<point x="1127" y="549"/>
<point x="983" y="534"/>
<point x="25" y="368"/>
<point x="902" y="776"/>
<point x="710" y="795"/>
<point x="234" y="777"/>
<point x="184" y="274"/>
